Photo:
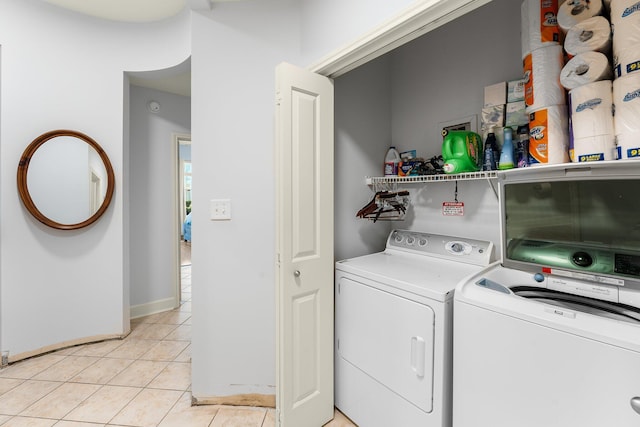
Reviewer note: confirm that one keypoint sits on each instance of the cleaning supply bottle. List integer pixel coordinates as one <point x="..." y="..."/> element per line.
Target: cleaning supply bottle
<point x="506" y="155"/>
<point x="391" y="161"/>
<point x="490" y="147"/>
<point x="461" y="151"/>
<point x="522" y="147"/>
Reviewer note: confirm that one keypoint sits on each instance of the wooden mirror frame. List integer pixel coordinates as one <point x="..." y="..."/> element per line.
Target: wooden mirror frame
<point x="23" y="189"/>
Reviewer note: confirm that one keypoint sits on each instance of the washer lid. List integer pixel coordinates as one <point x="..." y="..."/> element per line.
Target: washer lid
<point x="430" y="277"/>
<point x="593" y="306"/>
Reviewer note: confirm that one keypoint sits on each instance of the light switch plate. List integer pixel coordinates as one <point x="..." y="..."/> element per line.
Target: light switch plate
<point x="220" y="209"/>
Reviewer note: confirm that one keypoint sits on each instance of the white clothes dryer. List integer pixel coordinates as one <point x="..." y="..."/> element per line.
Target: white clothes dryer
<point x="393" y="328"/>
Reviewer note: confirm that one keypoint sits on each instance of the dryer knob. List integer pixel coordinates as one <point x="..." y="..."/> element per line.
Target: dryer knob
<point x="538" y="277"/>
<point x="635" y="404"/>
<point x="582" y="259"/>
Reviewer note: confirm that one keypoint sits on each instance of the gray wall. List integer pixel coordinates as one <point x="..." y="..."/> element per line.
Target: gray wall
<point x="153" y="183"/>
<point x="436" y="78"/>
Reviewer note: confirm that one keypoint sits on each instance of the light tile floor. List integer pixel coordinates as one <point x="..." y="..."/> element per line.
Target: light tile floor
<point x="143" y="380"/>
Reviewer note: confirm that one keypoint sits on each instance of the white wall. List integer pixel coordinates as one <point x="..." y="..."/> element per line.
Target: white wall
<point x="362" y="137"/>
<point x="235" y="51"/>
<point x="64" y="70"/>
<point x="440" y="77"/>
<point x="153" y="183"/>
<point x="328" y="25"/>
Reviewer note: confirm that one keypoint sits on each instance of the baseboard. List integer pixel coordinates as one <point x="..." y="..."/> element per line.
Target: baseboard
<point x="263" y="400"/>
<point x="152" y="307"/>
<point x="60" y="346"/>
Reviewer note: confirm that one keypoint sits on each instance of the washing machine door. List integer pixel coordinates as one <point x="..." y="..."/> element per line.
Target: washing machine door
<point x="389" y="338"/>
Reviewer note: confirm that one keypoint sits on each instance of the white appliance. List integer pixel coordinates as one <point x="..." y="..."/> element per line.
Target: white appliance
<point x="552" y="336"/>
<point x="393" y="328"/>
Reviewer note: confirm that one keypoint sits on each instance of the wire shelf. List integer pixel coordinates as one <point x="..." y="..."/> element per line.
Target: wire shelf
<point x="468" y="176"/>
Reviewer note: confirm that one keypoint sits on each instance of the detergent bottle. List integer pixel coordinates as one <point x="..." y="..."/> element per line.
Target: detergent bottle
<point x="461" y="151"/>
<point x="391" y="161"/>
<point x="506" y="155"/>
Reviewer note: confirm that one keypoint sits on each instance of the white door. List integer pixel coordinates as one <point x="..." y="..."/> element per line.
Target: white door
<point x="304" y="238"/>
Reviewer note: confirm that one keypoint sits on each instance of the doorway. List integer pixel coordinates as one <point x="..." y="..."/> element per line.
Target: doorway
<point x="182" y="147"/>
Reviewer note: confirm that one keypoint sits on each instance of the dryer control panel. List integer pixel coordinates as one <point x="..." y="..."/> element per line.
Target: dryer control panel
<point x="470" y="251"/>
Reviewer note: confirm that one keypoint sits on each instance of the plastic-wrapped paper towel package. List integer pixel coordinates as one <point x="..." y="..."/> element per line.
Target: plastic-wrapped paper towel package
<point x="626" y="61"/>
<point x="592" y="130"/>
<point x="625" y="23"/>
<point x="626" y="98"/>
<point x="572" y="12"/>
<point x="539" y="25"/>
<point x="549" y="135"/>
<point x="584" y="68"/>
<point x="542" y="77"/>
<point x="593" y="34"/>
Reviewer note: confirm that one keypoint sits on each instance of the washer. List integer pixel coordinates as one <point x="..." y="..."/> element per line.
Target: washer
<point x="551" y="335"/>
<point x="393" y="328"/>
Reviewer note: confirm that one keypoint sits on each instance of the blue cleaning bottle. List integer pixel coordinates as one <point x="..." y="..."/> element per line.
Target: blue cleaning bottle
<point x="506" y="155"/>
<point x="490" y="147"/>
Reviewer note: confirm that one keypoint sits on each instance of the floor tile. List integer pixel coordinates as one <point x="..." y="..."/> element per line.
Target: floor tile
<point x="101" y="372"/>
<point x="181" y="333"/>
<point x="139" y="373"/>
<point x="66" y="368"/>
<point x="29" y="422"/>
<point x="103" y="405"/>
<point x="183" y="414"/>
<point x="165" y="350"/>
<point x="21" y="397"/>
<point x="175" y="317"/>
<point x="28" y="368"/>
<point x="339" y="420"/>
<point x="132" y="348"/>
<point x="99" y="349"/>
<point x="239" y="417"/>
<point x="176" y="376"/>
<point x="60" y="401"/>
<point x="77" y="424"/>
<point x="185" y="356"/>
<point x="7" y="384"/>
<point x="270" y="418"/>
<point x="4" y="419"/>
<point x="152" y="331"/>
<point x="148" y="408"/>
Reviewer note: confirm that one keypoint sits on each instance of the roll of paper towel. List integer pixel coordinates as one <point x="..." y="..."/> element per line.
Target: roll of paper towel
<point x="626" y="98"/>
<point x="549" y="135"/>
<point x="539" y="24"/>
<point x="588" y="35"/>
<point x="587" y="67"/>
<point x="595" y="148"/>
<point x="628" y="146"/>
<point x="542" y="77"/>
<point x="626" y="61"/>
<point x="572" y="12"/>
<point x="592" y="110"/>
<point x="625" y="23"/>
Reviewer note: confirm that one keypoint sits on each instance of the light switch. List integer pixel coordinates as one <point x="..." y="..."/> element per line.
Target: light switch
<point x="220" y="209"/>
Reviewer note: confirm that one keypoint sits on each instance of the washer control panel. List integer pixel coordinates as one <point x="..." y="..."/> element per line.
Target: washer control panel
<point x="470" y="251"/>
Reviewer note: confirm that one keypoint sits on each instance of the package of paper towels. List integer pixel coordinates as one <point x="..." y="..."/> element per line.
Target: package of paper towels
<point x="549" y="135"/>
<point x="593" y="34"/>
<point x="592" y="110"/>
<point x="542" y="77"/>
<point x="584" y="68"/>
<point x="625" y="23"/>
<point x="595" y="148"/>
<point x="573" y="12"/>
<point x="626" y="61"/>
<point x="626" y="98"/>
<point x="539" y="25"/>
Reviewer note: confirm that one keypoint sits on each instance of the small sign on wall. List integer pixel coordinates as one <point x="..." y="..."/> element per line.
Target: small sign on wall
<point x="452" y="208"/>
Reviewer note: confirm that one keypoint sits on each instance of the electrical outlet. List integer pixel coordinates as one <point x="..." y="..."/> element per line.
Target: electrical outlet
<point x="220" y="209"/>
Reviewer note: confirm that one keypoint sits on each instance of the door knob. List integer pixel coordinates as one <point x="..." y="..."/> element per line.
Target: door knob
<point x="296" y="273"/>
<point x="635" y="404"/>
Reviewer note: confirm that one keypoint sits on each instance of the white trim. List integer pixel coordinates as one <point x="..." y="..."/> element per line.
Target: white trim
<point x="152" y="307"/>
<point x="412" y="23"/>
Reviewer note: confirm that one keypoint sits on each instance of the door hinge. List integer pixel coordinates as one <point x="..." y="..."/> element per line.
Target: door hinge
<point x="278" y="98"/>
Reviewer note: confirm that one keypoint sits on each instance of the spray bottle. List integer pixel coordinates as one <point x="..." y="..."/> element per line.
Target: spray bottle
<point x="506" y="155"/>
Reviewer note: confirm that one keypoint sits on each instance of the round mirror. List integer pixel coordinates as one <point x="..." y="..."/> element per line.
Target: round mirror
<point x="65" y="179"/>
